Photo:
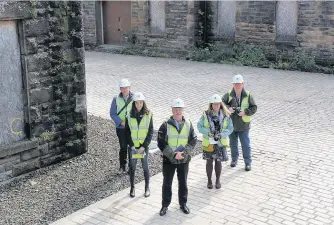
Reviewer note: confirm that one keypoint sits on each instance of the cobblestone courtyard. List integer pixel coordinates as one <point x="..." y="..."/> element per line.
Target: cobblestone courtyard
<point x="292" y="179"/>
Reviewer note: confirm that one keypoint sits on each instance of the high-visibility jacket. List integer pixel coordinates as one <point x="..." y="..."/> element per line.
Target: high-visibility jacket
<point x="205" y="141"/>
<point x="120" y="103"/>
<point x="244" y="105"/>
<point x="175" y="139"/>
<point x="139" y="131"/>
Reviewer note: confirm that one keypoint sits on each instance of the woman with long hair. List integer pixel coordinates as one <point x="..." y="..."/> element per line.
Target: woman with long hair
<point x="215" y="124"/>
<point x="139" y="132"/>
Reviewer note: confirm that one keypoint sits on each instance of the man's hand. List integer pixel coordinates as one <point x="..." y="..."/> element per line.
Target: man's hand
<point x="141" y="150"/>
<point x="123" y="123"/>
<point x="241" y="113"/>
<point x="231" y="110"/>
<point x="178" y="156"/>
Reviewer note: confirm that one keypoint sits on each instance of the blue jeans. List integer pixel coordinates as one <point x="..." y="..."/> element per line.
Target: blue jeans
<point x="133" y="166"/>
<point x="245" y="145"/>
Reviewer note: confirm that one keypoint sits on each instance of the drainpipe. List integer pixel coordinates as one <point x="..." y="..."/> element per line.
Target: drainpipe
<point x="205" y="24"/>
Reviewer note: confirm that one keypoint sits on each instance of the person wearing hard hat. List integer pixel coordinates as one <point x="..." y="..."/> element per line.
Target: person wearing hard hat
<point x="242" y="106"/>
<point x="176" y="140"/>
<point x="120" y="106"/>
<point x="139" y="132"/>
<point x="215" y="124"/>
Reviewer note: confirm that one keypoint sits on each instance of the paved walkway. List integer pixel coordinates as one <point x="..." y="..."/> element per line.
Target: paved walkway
<point x="292" y="179"/>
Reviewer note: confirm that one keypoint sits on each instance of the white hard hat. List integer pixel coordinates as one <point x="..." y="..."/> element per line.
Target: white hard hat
<point x="237" y="79"/>
<point x="215" y="98"/>
<point x="138" y="96"/>
<point x="178" y="103"/>
<point x="124" y="83"/>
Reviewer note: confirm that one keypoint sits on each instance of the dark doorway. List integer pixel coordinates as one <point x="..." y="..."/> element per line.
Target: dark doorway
<point x="116" y="21"/>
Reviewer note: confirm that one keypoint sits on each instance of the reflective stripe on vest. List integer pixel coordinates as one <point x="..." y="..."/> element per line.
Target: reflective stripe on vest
<point x="175" y="139"/>
<point x="139" y="131"/>
<point x="205" y="141"/>
<point x="244" y="105"/>
<point x="120" y="103"/>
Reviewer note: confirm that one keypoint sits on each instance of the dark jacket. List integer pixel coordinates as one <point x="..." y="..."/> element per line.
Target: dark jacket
<point x="113" y="110"/>
<point x="168" y="153"/>
<point x="238" y="123"/>
<point x="149" y="135"/>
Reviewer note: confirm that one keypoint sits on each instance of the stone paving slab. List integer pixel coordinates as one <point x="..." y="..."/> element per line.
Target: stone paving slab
<point x="292" y="177"/>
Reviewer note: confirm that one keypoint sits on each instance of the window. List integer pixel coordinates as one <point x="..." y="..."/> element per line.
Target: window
<point x="286" y="20"/>
<point x="11" y="87"/>
<point x="157" y="17"/>
<point x="226" y="19"/>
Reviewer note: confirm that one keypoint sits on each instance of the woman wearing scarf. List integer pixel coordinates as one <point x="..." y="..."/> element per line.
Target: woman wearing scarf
<point x="215" y="124"/>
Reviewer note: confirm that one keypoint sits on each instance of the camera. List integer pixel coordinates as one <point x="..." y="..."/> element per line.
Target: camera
<point x="216" y="131"/>
<point x="235" y="107"/>
<point x="236" y="110"/>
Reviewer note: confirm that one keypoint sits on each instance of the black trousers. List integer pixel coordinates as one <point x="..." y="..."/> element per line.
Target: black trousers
<point x="123" y="147"/>
<point x="168" y="171"/>
<point x="133" y="166"/>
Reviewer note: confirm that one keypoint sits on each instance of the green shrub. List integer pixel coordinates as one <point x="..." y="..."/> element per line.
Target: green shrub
<point x="283" y="65"/>
<point x="239" y="54"/>
<point x="251" y="55"/>
<point x="200" y="54"/>
<point x="303" y="61"/>
<point x="327" y="70"/>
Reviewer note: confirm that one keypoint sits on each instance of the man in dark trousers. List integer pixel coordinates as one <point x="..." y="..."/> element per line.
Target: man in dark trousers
<point x="176" y="140"/>
<point x="120" y="106"/>
<point x="242" y="106"/>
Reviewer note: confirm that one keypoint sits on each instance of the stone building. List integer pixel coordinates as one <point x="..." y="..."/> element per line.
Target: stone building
<point x="282" y="26"/>
<point x="42" y="85"/>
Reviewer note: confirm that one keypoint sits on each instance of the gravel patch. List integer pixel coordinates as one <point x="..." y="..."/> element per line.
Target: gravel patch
<point x="54" y="192"/>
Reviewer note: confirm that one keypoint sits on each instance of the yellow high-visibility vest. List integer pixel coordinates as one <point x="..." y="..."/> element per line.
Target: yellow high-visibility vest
<point x="175" y="139"/>
<point x="139" y="131"/>
<point x="244" y="105"/>
<point x="205" y="141"/>
<point x="120" y="103"/>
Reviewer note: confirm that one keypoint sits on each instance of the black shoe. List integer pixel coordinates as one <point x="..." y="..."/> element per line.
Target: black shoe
<point x="233" y="163"/>
<point x="132" y="192"/>
<point x="147" y="192"/>
<point x="248" y="167"/>
<point x="185" y="209"/>
<point x="163" y="211"/>
<point x="210" y="186"/>
<point x="218" y="185"/>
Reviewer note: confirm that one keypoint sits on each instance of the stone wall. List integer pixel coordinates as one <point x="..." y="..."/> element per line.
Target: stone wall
<point x="51" y="51"/>
<point x="140" y="18"/>
<point x="255" y="21"/>
<point x="316" y="29"/>
<point x="179" y="25"/>
<point x="89" y="20"/>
